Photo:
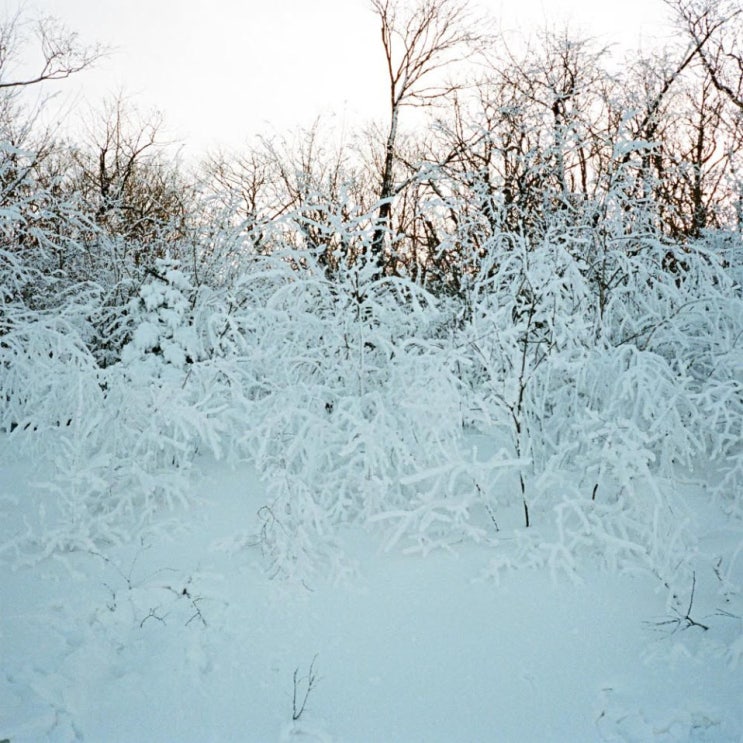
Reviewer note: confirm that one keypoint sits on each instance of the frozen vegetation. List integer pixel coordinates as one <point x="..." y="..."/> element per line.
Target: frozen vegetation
<point x="288" y="455"/>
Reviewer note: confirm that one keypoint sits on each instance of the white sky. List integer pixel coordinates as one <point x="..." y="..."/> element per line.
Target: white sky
<point x="223" y="70"/>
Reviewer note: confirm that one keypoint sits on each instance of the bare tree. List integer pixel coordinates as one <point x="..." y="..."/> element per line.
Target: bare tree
<point x="716" y="32"/>
<point x="33" y="169"/>
<point x="62" y="53"/>
<point x="699" y="154"/>
<point x="417" y="43"/>
<point x="26" y="144"/>
<point x="129" y="185"/>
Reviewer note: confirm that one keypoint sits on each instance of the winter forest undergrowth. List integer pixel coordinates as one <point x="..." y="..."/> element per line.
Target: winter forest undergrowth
<point x="518" y="330"/>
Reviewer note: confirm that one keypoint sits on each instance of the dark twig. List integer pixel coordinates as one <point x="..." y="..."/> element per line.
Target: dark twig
<point x="152" y="615"/>
<point x="309" y="684"/>
<point x="689" y="621"/>
<point x="193" y="600"/>
<point x="685" y="621"/>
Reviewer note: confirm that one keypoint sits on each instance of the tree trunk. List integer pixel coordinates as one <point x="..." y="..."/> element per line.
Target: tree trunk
<point x="386" y="193"/>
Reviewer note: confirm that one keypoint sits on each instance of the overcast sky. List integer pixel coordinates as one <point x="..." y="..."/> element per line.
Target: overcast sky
<point x="223" y="70"/>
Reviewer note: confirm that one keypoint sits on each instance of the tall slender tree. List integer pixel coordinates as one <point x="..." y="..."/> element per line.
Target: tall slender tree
<point x="417" y="44"/>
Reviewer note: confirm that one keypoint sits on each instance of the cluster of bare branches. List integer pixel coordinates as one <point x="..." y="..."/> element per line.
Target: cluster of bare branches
<point x="60" y="50"/>
<point x="520" y="144"/>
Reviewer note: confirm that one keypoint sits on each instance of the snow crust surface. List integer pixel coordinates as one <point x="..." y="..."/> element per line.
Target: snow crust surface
<point x="181" y="636"/>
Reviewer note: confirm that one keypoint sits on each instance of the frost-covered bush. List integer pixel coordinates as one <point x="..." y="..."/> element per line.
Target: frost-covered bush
<point x="47" y="370"/>
<point x="364" y="393"/>
<point x="692" y="318"/>
<point x="122" y="437"/>
<point x="534" y="311"/>
<point x="606" y="402"/>
<point x="621" y="425"/>
<point x="586" y="388"/>
<point x="163" y="338"/>
<point x="356" y="412"/>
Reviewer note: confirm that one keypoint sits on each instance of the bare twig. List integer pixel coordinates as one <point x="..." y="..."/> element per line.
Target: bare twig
<point x="685" y="621"/>
<point x="152" y="615"/>
<point x="309" y="681"/>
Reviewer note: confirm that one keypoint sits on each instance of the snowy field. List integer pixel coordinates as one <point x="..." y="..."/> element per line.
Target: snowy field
<point x="183" y="637"/>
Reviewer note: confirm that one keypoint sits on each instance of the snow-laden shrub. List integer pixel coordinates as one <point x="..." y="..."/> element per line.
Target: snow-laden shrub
<point x="535" y="310"/>
<point x="163" y="340"/>
<point x="692" y="318"/>
<point x="122" y="438"/>
<point x="356" y="413"/>
<point x="620" y="427"/>
<point x="601" y="398"/>
<point x="600" y="417"/>
<point x="47" y="373"/>
<point x="359" y="399"/>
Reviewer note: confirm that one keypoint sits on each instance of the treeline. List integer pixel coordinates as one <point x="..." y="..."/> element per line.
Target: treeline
<point x="536" y="140"/>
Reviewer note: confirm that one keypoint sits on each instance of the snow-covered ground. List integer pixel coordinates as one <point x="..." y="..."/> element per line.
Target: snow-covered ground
<point x="183" y="637"/>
